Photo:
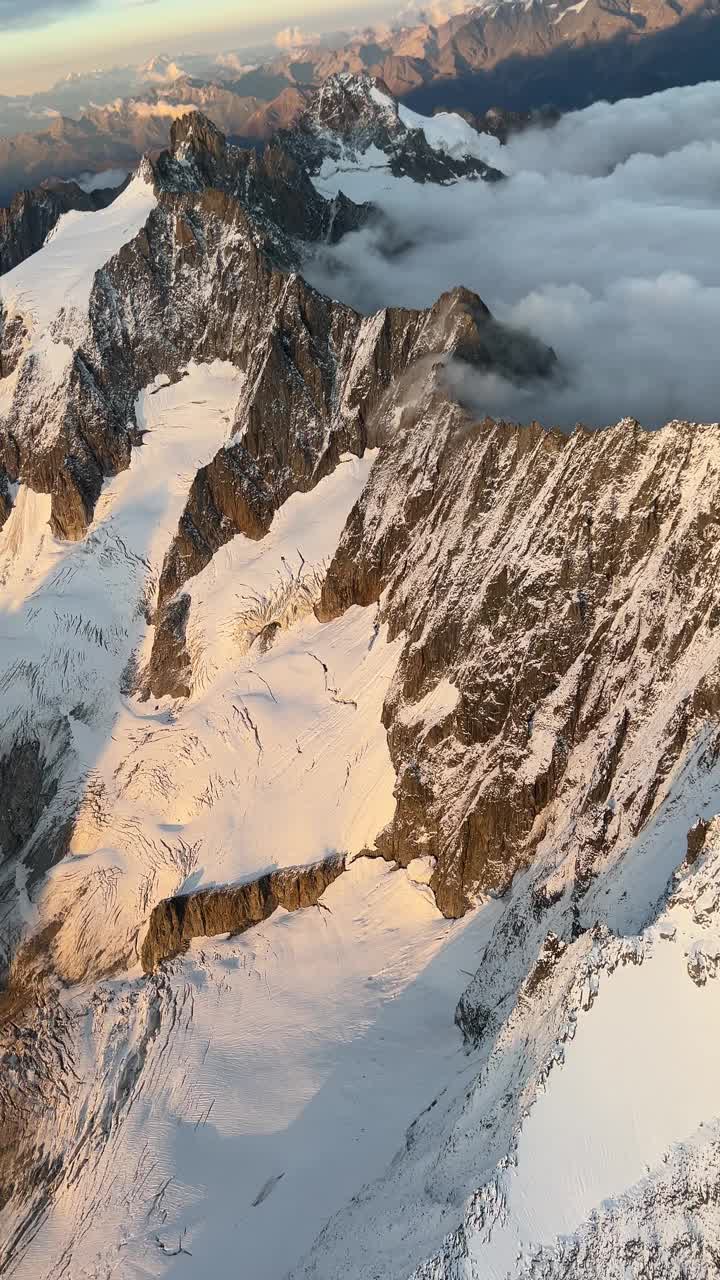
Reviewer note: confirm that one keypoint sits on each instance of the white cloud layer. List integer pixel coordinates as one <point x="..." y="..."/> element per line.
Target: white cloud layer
<point x="603" y="243"/>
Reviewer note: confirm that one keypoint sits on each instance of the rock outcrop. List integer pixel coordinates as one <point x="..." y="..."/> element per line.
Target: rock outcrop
<point x="174" y="922"/>
<point x="5" y="498"/>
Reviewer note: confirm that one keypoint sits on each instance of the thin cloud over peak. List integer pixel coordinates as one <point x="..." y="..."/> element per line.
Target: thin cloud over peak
<point x="296" y="38"/>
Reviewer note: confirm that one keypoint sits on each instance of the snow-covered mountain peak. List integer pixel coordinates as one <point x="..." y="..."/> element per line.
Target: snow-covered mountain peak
<point x="348" y="105"/>
<point x="354" y="127"/>
<point x="44" y="307"/>
<point x="63" y="339"/>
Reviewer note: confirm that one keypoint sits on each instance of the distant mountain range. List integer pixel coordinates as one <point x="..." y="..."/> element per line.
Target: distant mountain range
<point x="515" y="54"/>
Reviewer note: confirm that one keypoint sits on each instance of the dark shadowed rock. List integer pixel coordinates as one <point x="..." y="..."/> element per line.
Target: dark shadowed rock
<point x="169" y="669"/>
<point x="25" y="792"/>
<point x="12" y="338"/>
<point x="5" y="498"/>
<point x="696" y="837"/>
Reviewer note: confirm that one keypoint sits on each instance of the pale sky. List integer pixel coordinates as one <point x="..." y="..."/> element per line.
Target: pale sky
<point x="42" y="40"/>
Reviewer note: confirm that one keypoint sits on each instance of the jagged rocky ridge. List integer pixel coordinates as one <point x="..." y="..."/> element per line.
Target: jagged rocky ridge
<point x="271" y="185"/>
<point x="225" y="223"/>
<point x="351" y="115"/>
<point x="342" y="406"/>
<point x="600" y="550"/>
<point x="67" y="443"/>
<point x="224" y="216"/>
<point x="609" y="578"/>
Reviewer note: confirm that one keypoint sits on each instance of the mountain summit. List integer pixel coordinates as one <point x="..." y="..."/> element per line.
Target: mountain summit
<point x="353" y="123"/>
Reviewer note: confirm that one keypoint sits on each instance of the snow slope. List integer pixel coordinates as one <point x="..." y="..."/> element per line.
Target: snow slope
<point x="286" y="1065"/>
<point x="453" y="135"/>
<point x="260" y="1080"/>
<point x="51" y="290"/>
<point x="592" y="1111"/>
<point x="278" y="757"/>
<point x="296" y="1100"/>
<point x="366" y="174"/>
<point x="72" y="613"/>
<point x="580" y="1100"/>
<point x="248" y="1106"/>
<point x="614" y="1109"/>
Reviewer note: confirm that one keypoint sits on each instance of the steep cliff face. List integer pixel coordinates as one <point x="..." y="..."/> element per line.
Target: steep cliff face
<point x="213" y="223"/>
<point x="560" y="654"/>
<point x="321" y="383"/>
<point x="550" y="702"/>
<point x="599" y="551"/>
<point x="71" y="382"/>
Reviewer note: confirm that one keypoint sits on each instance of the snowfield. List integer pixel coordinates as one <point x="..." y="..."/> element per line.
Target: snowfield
<point x="278" y="758"/>
<point x="51" y="289"/>
<point x="73" y="612"/>
<point x="292" y="1059"/>
<point x="451" y="134"/>
<point x="288" y="1064"/>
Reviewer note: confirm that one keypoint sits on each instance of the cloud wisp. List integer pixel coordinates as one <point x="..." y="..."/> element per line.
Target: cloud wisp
<point x="295" y="38"/>
<point x="603" y="243"/>
<point x="18" y="15"/>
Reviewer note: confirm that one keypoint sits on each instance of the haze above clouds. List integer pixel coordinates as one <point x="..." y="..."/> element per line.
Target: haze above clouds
<point x="603" y="243"/>
<point x="44" y="40"/>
